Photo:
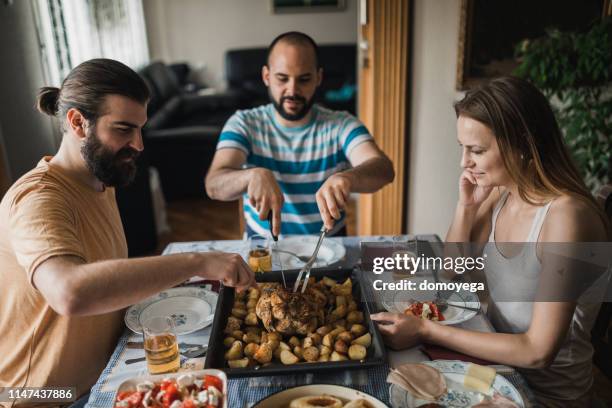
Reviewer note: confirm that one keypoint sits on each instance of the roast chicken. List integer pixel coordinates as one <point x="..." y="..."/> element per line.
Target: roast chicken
<point x="289" y="313"/>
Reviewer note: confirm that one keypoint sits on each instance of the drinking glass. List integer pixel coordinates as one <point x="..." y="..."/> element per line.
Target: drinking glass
<point x="406" y="248"/>
<point x="260" y="254"/>
<point x="160" y="345"/>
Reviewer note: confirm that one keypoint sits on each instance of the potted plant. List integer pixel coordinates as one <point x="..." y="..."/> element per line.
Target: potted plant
<point x="574" y="70"/>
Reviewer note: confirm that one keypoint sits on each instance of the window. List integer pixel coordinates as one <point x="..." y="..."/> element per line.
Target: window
<point x="73" y="31"/>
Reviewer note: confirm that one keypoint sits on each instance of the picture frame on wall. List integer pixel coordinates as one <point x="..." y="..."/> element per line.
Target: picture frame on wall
<point x="306" y="6"/>
<point x="490" y="31"/>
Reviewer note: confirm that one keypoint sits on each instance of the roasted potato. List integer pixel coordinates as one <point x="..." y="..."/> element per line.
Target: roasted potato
<point x="325" y="350"/>
<point x="341" y="301"/>
<point x="316" y="338"/>
<point x="345" y="336"/>
<point x="337" y="314"/>
<point x="250" y="349"/>
<point x="328" y="340"/>
<point x="354" y="317"/>
<point x="228" y="341"/>
<point x="274" y="336"/>
<point x="251" y="319"/>
<point x="352" y="305"/>
<point x="294" y="341"/>
<point x="263" y="354"/>
<point x="251" y="304"/>
<point x="343" y="290"/>
<point x="298" y="351"/>
<point x="308" y="342"/>
<point x="235" y="351"/>
<point x="237" y="334"/>
<point x="242" y="363"/>
<point x="323" y="359"/>
<point x="232" y="325"/>
<point x="335" y="356"/>
<point x="254" y="293"/>
<point x="336" y="331"/>
<point x="365" y="340"/>
<point x="329" y="282"/>
<point x="251" y="337"/>
<point x="358" y="330"/>
<point x="357" y="352"/>
<point x="264" y="337"/>
<point x="239" y="313"/>
<point x="239" y="304"/>
<point x="281" y="346"/>
<point x="310" y="354"/>
<point x="323" y="330"/>
<point x="340" y="324"/>
<point x="287" y="357"/>
<point x="340" y="347"/>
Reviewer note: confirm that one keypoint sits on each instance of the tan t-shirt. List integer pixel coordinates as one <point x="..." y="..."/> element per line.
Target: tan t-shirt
<point x="47" y="213"/>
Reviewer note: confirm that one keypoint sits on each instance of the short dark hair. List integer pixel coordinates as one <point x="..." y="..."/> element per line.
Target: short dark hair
<point x="295" y="38"/>
<point x="88" y="84"/>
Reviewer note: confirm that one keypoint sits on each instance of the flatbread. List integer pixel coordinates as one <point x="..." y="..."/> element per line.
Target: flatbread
<point x="420" y="380"/>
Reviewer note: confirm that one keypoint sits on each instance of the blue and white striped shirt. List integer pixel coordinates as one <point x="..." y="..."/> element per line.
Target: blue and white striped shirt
<point x="301" y="159"/>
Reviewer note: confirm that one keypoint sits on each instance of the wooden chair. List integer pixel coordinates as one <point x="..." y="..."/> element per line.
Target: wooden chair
<point x="601" y="335"/>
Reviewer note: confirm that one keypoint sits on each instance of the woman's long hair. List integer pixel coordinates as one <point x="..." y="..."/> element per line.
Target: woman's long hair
<point x="529" y="139"/>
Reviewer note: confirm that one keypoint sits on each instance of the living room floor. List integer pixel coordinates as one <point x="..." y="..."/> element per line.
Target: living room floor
<point x="202" y="219"/>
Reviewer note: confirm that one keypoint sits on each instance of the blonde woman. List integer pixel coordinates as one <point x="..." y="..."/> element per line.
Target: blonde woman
<point x="518" y="185"/>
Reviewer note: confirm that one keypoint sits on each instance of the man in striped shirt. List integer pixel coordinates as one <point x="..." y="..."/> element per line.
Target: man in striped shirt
<point x="293" y="157"/>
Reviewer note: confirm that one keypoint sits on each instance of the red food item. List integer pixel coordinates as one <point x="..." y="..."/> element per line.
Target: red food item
<point x="189" y="403"/>
<point x="170" y="395"/>
<point x="416" y="309"/>
<point x="214" y="381"/>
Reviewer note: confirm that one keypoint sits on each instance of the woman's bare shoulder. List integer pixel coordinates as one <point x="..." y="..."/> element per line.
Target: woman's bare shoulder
<point x="571" y="219"/>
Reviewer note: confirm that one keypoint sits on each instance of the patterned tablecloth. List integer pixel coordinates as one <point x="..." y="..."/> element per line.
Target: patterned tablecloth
<point x="245" y="392"/>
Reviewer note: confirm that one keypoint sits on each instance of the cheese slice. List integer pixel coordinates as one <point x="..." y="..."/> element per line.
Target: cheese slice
<point x="479" y="378"/>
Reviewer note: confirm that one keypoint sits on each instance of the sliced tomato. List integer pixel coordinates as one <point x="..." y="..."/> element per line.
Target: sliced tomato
<point x="189" y="403"/>
<point x="170" y="395"/>
<point x="135" y="399"/>
<point x="214" y="381"/>
<point x="123" y="395"/>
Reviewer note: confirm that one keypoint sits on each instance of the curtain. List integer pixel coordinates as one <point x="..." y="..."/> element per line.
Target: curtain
<point x="73" y="31"/>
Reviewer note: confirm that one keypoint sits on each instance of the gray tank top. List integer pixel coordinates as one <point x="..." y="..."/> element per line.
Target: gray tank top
<point x="570" y="376"/>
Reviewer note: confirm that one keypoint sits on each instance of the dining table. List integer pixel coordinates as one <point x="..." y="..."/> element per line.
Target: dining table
<point x="246" y="392"/>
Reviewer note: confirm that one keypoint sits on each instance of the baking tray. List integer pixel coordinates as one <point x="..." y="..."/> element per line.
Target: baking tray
<point x="377" y="354"/>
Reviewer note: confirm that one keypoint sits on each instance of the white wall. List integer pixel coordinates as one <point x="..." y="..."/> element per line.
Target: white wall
<point x="200" y="31"/>
<point x="26" y="134"/>
<point x="434" y="154"/>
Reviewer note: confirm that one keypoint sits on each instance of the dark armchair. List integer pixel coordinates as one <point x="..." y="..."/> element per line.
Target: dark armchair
<point x="182" y="131"/>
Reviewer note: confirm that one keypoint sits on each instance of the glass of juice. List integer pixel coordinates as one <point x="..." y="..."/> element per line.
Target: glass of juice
<point x="260" y="254"/>
<point x="160" y="345"/>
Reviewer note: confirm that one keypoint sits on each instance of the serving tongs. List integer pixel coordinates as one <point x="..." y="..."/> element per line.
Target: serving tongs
<point x="306" y="268"/>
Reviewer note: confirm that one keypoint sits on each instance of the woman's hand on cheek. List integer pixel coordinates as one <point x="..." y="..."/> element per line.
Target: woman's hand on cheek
<point x="399" y="331"/>
<point x="470" y="193"/>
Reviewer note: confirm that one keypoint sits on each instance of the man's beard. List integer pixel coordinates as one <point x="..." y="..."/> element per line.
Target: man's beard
<point x="109" y="167"/>
<point x="306" y="105"/>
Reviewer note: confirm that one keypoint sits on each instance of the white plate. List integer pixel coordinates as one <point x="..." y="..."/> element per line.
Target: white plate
<point x="283" y="398"/>
<point x="397" y="301"/>
<point x="457" y="396"/>
<point x="191" y="308"/>
<point x="331" y="251"/>
<point x="130" y="384"/>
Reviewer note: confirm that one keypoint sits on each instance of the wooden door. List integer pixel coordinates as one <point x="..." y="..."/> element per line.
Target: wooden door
<point x="383" y="102"/>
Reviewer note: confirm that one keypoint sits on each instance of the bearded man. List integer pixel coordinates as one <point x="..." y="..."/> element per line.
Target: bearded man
<point x="65" y="279"/>
<point x="293" y="157"/>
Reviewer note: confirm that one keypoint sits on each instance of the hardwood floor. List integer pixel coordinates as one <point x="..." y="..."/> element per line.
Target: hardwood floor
<point x="201" y="220"/>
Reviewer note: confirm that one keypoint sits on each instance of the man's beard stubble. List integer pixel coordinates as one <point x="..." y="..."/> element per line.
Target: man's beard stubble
<point x="306" y="105"/>
<point x="107" y="166"/>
